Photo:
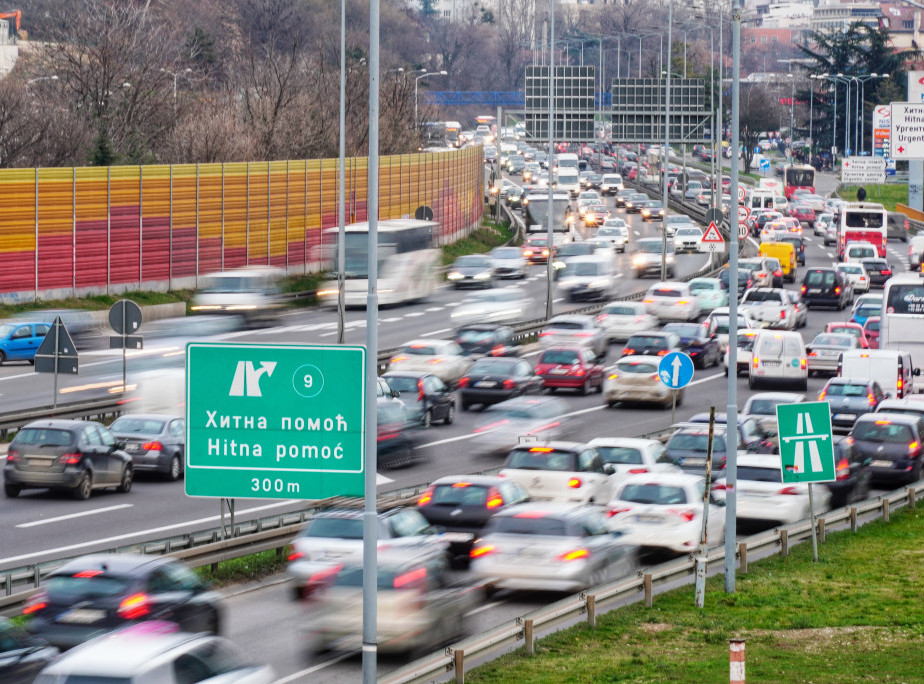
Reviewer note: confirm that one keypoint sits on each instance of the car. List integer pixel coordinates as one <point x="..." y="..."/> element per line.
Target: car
<point x="508" y="262"/>
<point x="850" y="398"/>
<point x="709" y="294"/>
<point x="420" y="608"/>
<point x="878" y="270"/>
<point x="853" y="473"/>
<point x="825" y="287"/>
<point x="849" y="328"/>
<point x="634" y="202"/>
<point x="74" y="455"/>
<point x="855" y="274"/>
<point x="574" y="330"/>
<point x="871" y="331"/>
<point x="621" y="196"/>
<point x="762" y="407"/>
<point x="20" y="341"/>
<point x="652" y="210"/>
<point x="499" y="305"/>
<point x="777" y="272"/>
<point x="800" y="309"/>
<point x="665" y="511"/>
<point x="491" y="380"/>
<point x="635" y="379"/>
<point x="155" y="441"/>
<point x="98" y="593"/>
<point x="588" y="277"/>
<point x="333" y="536"/>
<point x="654" y="343"/>
<point x="872" y="298"/>
<point x="698" y="341"/>
<point x="864" y="311"/>
<point x="157" y="652"/>
<point x="569" y="368"/>
<point x="673" y="222"/>
<point x="824" y="352"/>
<point x="632" y="456"/>
<point x="721" y="318"/>
<point x="22" y="655"/>
<point x="463" y="504"/>
<point x="831" y="233"/>
<point x="569" y="251"/>
<point x="672" y="301"/>
<point x="803" y="213"/>
<point x="610" y="184"/>
<point x="760" y="269"/>
<point x="762" y="496"/>
<point x="394" y="446"/>
<point x="648" y="257"/>
<point x="910" y="406"/>
<point x="857" y="251"/>
<point x="443" y="358"/>
<point x="692" y="191"/>
<point x="745" y="280"/>
<point x="751" y="436"/>
<point x="487" y="339"/>
<point x="688" y="448"/>
<point x="822" y="221"/>
<point x="688" y="239"/>
<point x="501" y="426"/>
<point x="798" y="244"/>
<point x="744" y="339"/>
<point x="536" y="250"/>
<point x="893" y="442"/>
<point x="617" y="236"/>
<point x="704" y="197"/>
<point x="620" y="320"/>
<point x="568" y="472"/>
<point x="549" y="546"/>
<point x="472" y="270"/>
<point x="425" y="397"/>
<point x="771" y="307"/>
<point x="596" y="214"/>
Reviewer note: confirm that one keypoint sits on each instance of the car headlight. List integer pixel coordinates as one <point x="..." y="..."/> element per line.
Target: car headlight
<point x="597" y="283"/>
<point x="484" y="275"/>
<point x="455" y="275"/>
<point x="638" y="260"/>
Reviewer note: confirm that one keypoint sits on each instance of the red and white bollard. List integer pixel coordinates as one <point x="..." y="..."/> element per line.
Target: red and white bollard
<point x="736" y="661"/>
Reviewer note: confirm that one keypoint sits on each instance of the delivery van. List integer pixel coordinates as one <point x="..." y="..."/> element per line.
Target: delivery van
<point x="891" y="368"/>
<point x="783" y="252"/>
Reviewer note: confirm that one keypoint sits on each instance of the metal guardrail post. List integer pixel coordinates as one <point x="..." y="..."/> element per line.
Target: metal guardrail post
<point x="648" y="594"/>
<point x="743" y="555"/>
<point x="912" y="497"/>
<point x="821" y="530"/>
<point x="528" y="637"/>
<point x="885" y="510"/>
<point x="592" y="610"/>
<point x="784" y="542"/>
<point x="853" y="519"/>
<point x="458" y="662"/>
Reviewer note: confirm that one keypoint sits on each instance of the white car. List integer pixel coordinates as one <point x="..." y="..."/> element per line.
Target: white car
<point x="568" y="472"/>
<point x="503" y="305"/>
<point x="443" y="358"/>
<point x="672" y="222"/>
<point x="635" y="378"/>
<point x="855" y="274"/>
<point x="709" y="293"/>
<point x="665" y="511"/>
<point x="617" y="236"/>
<point x="620" y="320"/>
<point x="762" y="495"/>
<point x="508" y="262"/>
<point x="633" y="456"/>
<point x="745" y="344"/>
<point x="577" y="330"/>
<point x="758" y="266"/>
<point x="771" y="307"/>
<point x="762" y="406"/>
<point x="688" y="239"/>
<point x="672" y="301"/>
<point x="502" y="426"/>
<point x="745" y="322"/>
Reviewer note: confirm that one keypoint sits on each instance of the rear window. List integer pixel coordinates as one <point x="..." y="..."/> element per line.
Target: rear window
<point x="665" y="292"/>
<point x="137" y="425"/>
<point x="559" y="356"/>
<point x="420" y="350"/>
<point x="465" y="336"/>
<point x="770" y="345"/>
<point x="653" y="494"/>
<point x="459" y="494"/>
<point x="504" y="367"/>
<point x="759" y="474"/>
<point x="835" y="339"/>
<point x="402" y="384"/>
<point x="539" y="525"/>
<point x="883" y="431"/>
<point x="844" y="390"/>
<point x="763" y="407"/>
<point x="621" y="455"/>
<point x="817" y="278"/>
<point x="762" y="296"/>
<point x="565" y="325"/>
<point x="44" y="437"/>
<point x="646" y="341"/>
<point x="542" y="458"/>
<point x="641" y="368"/>
<point x="696" y="441"/>
<point x="335" y="528"/>
<point x="906" y="298"/>
<point x="86" y="585"/>
<point x="621" y="311"/>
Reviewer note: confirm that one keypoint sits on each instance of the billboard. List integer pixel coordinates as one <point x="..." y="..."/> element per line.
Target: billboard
<point x="882" y="134"/>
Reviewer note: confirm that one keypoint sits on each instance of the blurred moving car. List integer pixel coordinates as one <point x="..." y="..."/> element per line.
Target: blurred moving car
<point x="155" y="441"/>
<point x="463" y="505"/>
<point x="699" y="341"/>
<point x="648" y="257"/>
<point x="656" y="343"/>
<point x="20" y="341"/>
<point x="577" y="330"/>
<point x="665" y="511"/>
<point x="508" y="262"/>
<point x="856" y="275"/>
<point x="80" y="324"/>
<point x="632" y="456"/>
<point x="424" y="395"/>
<point x="569" y="368"/>
<point x="472" y="270"/>
<point x="688" y="239"/>
<point x="444" y="358"/>
<point x="850" y="398"/>
<point x="620" y="320"/>
<point x="744" y="343"/>
<point x="494" y="379"/>
<point x="709" y="294"/>
<point x="635" y="378"/>
<point x="559" y="471"/>
<point x="536" y="250"/>
<point x="156" y="652"/>
<point x="76" y="455"/>
<point x="550" y="547"/>
<point x="500" y="305"/>
<point x="616" y="235"/>
<point x="22" y="655"/>
<point x="688" y="448"/>
<point x="587" y="278"/>
<point x="762" y="407"/>
<point x="853" y="473"/>
<point x="893" y="443"/>
<point x="671" y="301"/>
<point x="486" y="339"/>
<point x="333" y="536"/>
<point x="501" y="425"/>
<point x="254" y="293"/>
<point x="95" y="594"/>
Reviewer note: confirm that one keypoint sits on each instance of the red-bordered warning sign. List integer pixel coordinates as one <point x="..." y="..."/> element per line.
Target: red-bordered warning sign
<point x="712" y="234"/>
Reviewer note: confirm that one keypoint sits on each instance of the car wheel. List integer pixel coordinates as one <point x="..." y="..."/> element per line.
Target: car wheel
<point x="450" y="415"/>
<point x="2" y="358"/>
<point x="427" y="419"/>
<point x="465" y="405"/>
<point x="175" y="469"/>
<point x="585" y="388"/>
<point x="11" y="490"/>
<point x="125" y="484"/>
<point x="752" y="384"/>
<point x="84" y="487"/>
<point x="610" y="404"/>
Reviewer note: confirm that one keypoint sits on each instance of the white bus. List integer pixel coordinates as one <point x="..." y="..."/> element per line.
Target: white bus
<point x="408" y="262"/>
<point x="863" y="222"/>
<point x="902" y="323"/>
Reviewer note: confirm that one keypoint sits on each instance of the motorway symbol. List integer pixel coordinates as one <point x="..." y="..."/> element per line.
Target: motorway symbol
<point x="806" y="448"/>
<point x="676" y="370"/>
<point x="56" y="353"/>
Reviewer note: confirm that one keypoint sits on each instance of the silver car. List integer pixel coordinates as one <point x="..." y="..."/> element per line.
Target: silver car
<point x="825" y="351"/>
<point x="575" y="330"/>
<point x="502" y="426"/>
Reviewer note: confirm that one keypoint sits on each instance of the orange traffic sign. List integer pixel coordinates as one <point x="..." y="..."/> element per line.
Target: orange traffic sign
<point x="713" y="234"/>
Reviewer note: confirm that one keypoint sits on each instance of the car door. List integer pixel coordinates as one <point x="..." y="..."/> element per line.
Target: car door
<point x="91" y="446"/>
<point x="437" y="395"/>
<point x="177" y="431"/>
<point x="23" y="344"/>
<point x="173" y="589"/>
<point x="590" y="465"/>
<point x="115" y="459"/>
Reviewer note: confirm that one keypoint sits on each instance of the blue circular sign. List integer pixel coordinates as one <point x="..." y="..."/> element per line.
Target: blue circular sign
<point x="676" y="370"/>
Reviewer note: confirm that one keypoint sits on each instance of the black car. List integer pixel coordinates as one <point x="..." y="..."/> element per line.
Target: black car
<point x="825" y="287"/>
<point x="745" y="280"/>
<point x="798" y="244"/>
<point x="634" y="203"/>
<point x="850" y="398"/>
<point x="472" y="270"/>
<point x="487" y="339"/>
<point x="156" y="442"/>
<point x="853" y="473"/>
<point x="621" y="195"/>
<point x="750" y="435"/>
<point x="895" y="444"/>
<point x="424" y="395"/>
<point x="393" y="446"/>
<point x="696" y="341"/>
<point x="492" y="380"/>
<point x="96" y="594"/>
<point x="22" y="656"/>
<point x="688" y="448"/>
<point x="654" y="343"/>
<point x="463" y="504"/>
<point x="76" y="455"/>
<point x="878" y="271"/>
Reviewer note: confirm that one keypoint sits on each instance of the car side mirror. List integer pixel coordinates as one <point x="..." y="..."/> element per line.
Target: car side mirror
<point x="916" y="372"/>
<point x="609" y="468"/>
<point x="395" y="393"/>
<point x="118" y="445"/>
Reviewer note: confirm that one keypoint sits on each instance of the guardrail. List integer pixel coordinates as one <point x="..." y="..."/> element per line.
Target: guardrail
<point x="91" y="408"/>
<point x="523" y="630"/>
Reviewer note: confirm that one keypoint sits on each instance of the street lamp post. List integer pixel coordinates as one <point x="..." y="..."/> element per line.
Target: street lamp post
<point x="792" y="99"/>
<point x="175" y="75"/>
<point x="861" y="105"/>
<point x="416" y="83"/>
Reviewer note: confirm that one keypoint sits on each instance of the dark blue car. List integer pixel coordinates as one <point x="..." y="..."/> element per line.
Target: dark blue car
<point x="696" y="340"/>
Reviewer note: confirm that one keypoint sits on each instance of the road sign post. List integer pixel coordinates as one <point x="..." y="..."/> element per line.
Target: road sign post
<point x="275" y="421"/>
<point x="676" y="371"/>
<point x="125" y="317"/>
<point x="806" y="449"/>
<point x="56" y="354"/>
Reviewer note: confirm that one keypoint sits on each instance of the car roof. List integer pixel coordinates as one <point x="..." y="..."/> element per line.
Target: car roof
<point x="557" y="445"/>
<point x="653" y="333"/>
<point x="640" y="358"/>
<point x="556" y="508"/>
<point x="905" y="418"/>
<point x="406" y="374"/>
<point x="115" y="563"/>
<point x="775" y="395"/>
<point x="475" y="480"/>
<point x="59" y="423"/>
<point x="150" y="416"/>
<point x="574" y="318"/>
<point x="636" y="442"/>
<point x="849" y="381"/>
<point x="759" y="460"/>
<point x="484" y="326"/>
<point x="663" y="478"/>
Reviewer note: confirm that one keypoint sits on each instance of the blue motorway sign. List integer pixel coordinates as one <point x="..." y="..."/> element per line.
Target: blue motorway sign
<point x="676" y="370"/>
<point x="764" y="164"/>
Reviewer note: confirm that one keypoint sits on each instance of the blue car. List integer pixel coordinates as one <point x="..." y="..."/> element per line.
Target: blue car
<point x="865" y="311"/>
<point x="20" y="341"/>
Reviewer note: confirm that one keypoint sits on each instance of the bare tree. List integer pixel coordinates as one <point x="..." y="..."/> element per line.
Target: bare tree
<point x="515" y="34"/>
<point x="758" y="113"/>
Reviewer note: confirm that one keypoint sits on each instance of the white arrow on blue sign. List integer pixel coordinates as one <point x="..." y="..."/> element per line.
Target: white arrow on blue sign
<point x="676" y="370"/>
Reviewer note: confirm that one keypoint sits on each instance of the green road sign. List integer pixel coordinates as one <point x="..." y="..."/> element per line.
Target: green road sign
<point x="806" y="447"/>
<point x="274" y="421"/>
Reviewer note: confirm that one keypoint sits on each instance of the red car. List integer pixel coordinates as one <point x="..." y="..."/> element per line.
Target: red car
<point x="633" y="173"/>
<point x="571" y="368"/>
<point x="536" y="250"/>
<point x="854" y="329"/>
<point x="803" y="214"/>
<point x="871" y="330"/>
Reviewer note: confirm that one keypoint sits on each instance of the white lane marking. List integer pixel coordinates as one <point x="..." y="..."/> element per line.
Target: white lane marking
<point x="413" y="314"/>
<point x="555" y="301"/>
<point x="327" y="334"/>
<point x="294" y="677"/>
<point x="389" y="320"/>
<point x="381" y="479"/>
<point x="453" y="303"/>
<point x="433" y="308"/>
<point x="435" y="332"/>
<point x="153" y="530"/>
<point x="830" y="256"/>
<point x="637" y="233"/>
<point x="481" y="609"/>
<point x="71" y="516"/>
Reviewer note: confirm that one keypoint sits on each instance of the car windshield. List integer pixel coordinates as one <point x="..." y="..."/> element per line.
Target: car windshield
<point x="684" y="329"/>
<point x="665" y="292"/>
<point x="650" y="246"/>
<point x="542" y="458"/>
<point x="506" y="253"/>
<point x="494" y="366"/>
<point x="883" y="431"/>
<point x="618" y="310"/>
<point x="702" y="286"/>
<point x="583" y="269"/>
<point x="334" y="528"/>
<point x="459" y="494"/>
<point x="472" y="261"/>
<point x="474" y="335"/>
<point x="755" y="474"/>
<point x="689" y="231"/>
<point x="836" y="389"/>
<point x="640" y="367"/>
<point x="764" y="407"/>
<point x="647" y="341"/>
<point x="88" y="584"/>
<point x="696" y="441"/>
<point x="137" y="425"/>
<point x="537" y="524"/>
<point x="402" y="384"/>
<point x="565" y="325"/>
<point x="43" y="437"/>
<point x="652" y="494"/>
<point x="622" y="455"/>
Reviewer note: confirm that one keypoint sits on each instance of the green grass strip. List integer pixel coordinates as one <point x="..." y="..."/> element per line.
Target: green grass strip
<point x="886" y="195"/>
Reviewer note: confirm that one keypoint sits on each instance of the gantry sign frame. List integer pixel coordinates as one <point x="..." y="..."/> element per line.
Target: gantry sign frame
<point x="637" y="111"/>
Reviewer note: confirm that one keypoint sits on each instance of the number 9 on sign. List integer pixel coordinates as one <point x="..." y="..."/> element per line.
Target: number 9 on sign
<point x="308" y="381"/>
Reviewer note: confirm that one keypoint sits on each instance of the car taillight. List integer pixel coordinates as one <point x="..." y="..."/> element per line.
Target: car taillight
<point x="888" y="271"/>
<point x="494" y="498"/>
<point x="870" y="398"/>
<point x="719" y="487"/>
<point x="575" y="483"/>
<point x="509" y="384"/>
<point x="837" y="290"/>
<point x="152" y="446"/>
<point x="420" y="390"/>
<point x="803" y="289"/>
<point x="638" y="471"/>
<point x="663" y="352"/>
<point x="790" y="491"/>
<point x="577" y="554"/>
<point x="778" y="273"/>
<point x="410" y="577"/>
<point x="70" y="459"/>
<point x="480" y="551"/>
<point x="12" y="456"/>
<point x="755" y="362"/>
<point x="686" y="515"/>
<point x="782" y="315"/>
<point x="628" y="351"/>
<point x="843" y="469"/>
<point x="616" y="511"/>
<point x="913" y="449"/>
<point x="35" y="603"/>
<point x="803" y="364"/>
<point x="134" y="607"/>
<point x="294" y="555"/>
<point x="822" y="395"/>
<point x="463" y="382"/>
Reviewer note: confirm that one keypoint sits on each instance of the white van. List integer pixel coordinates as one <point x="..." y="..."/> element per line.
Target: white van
<point x="567" y="179"/>
<point x="778" y="356"/>
<point x="857" y="251"/>
<point x="254" y="293"/>
<point x="891" y="368"/>
<point x="589" y="277"/>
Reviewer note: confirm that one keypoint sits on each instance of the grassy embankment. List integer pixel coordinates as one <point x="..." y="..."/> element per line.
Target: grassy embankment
<point x="886" y="195"/>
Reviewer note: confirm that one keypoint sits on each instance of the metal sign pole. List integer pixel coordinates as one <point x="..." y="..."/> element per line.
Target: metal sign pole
<point x="124" y="328"/>
<point x="341" y="191"/>
<point x="549" y="236"/>
<point x="673" y="406"/>
<point x="814" y="525"/>
<point x="665" y="161"/>
<point x="54" y="398"/>
<point x="699" y="595"/>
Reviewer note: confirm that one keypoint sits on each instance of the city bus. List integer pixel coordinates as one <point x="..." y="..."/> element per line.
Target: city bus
<point x="863" y="222"/>
<point x="537" y="212"/>
<point x="902" y="319"/>
<point x="408" y="262"/>
<point x="798" y="177"/>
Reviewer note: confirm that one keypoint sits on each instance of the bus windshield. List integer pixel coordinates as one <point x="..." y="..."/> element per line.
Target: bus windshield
<point x="800" y="177"/>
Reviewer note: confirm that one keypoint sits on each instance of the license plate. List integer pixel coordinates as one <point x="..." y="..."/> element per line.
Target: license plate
<point x="458" y="536"/>
<point x="131" y="446"/>
<point x="814" y="291"/>
<point x="558" y="371"/>
<point x="845" y="416"/>
<point x="882" y="464"/>
<point x="485" y="383"/>
<point x="694" y="461"/>
<point x="82" y="616"/>
<point x="647" y="519"/>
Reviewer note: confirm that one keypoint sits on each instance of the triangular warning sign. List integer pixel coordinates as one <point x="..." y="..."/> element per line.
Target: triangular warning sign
<point x="712" y="234"/>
